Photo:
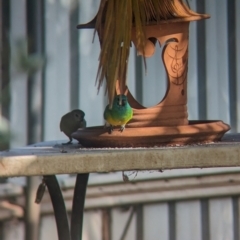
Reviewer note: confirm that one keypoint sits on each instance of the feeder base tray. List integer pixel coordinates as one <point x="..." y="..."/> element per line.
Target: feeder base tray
<point x="195" y="132"/>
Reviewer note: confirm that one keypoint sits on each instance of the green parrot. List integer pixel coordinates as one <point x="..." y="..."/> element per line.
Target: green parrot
<point x="71" y="121"/>
<point x="120" y="113"/>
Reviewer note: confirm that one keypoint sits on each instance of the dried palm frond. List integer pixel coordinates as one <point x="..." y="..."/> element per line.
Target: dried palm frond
<point x="114" y="24"/>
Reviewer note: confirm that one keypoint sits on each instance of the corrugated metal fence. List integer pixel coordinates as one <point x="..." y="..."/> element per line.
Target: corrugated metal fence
<point x="173" y="205"/>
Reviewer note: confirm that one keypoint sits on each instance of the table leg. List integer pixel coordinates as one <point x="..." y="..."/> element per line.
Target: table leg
<point x="59" y="207"/>
<point x="78" y="206"/>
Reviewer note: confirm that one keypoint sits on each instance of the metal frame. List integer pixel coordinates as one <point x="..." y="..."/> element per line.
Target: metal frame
<point x="74" y="232"/>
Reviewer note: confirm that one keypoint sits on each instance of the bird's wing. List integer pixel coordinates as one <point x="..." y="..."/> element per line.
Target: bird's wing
<point x="106" y="113"/>
<point x="83" y="123"/>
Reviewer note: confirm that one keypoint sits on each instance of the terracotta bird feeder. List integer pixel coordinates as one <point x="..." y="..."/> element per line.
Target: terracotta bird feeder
<point x="167" y="122"/>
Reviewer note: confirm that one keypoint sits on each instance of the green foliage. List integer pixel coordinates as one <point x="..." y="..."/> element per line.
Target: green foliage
<point x="4" y="134"/>
<point x="24" y="62"/>
<point x="4" y="126"/>
<point x="5" y="96"/>
<point x="4" y="140"/>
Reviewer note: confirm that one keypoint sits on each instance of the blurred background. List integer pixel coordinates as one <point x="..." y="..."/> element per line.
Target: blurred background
<point x="48" y="68"/>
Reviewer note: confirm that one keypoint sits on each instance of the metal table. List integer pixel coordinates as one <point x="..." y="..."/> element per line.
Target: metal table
<point x="51" y="158"/>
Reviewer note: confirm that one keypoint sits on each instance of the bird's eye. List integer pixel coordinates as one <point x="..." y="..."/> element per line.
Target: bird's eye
<point x="76" y="115"/>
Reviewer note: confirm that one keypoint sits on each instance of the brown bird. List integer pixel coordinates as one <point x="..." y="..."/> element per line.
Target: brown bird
<point x="71" y="121"/>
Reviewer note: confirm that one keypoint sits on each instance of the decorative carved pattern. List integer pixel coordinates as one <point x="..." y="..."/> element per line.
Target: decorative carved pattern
<point x="176" y="62"/>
